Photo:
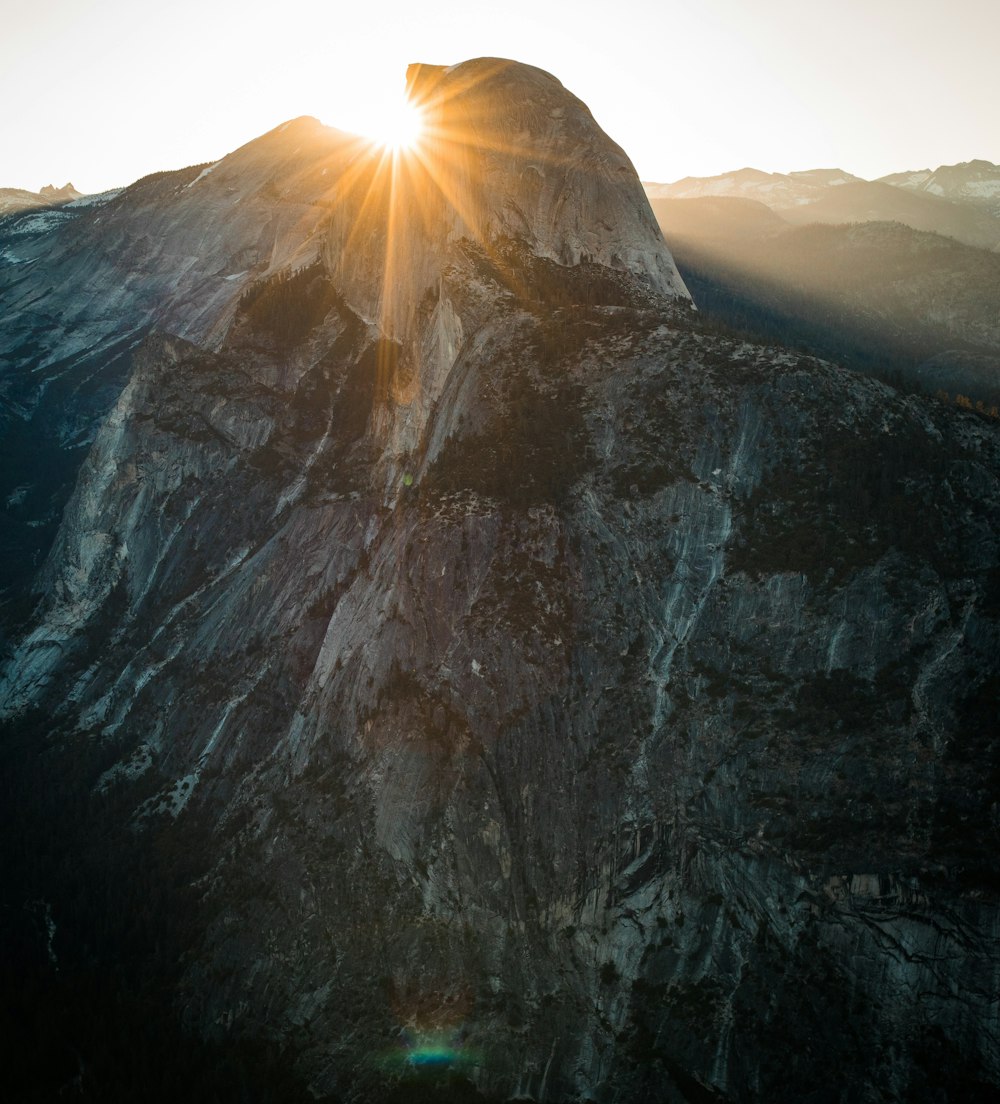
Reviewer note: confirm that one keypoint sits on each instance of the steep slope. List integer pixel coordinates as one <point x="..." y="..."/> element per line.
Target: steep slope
<point x="722" y="219"/>
<point x="82" y="284"/>
<point x="869" y="201"/>
<point x="529" y="686"/>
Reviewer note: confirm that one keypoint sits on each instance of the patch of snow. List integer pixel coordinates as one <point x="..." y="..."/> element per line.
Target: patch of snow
<point x="98" y="199"/>
<point x="204" y="172"/>
<point x="985" y="189"/>
<point x="41" y="223"/>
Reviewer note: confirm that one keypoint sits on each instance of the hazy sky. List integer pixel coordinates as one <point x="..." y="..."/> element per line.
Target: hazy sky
<point x="101" y="92"/>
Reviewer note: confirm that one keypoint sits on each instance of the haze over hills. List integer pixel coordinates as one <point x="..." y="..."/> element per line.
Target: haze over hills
<point x="880" y="296"/>
<point x="446" y="665"/>
<point x="891" y="276"/>
<point x="959" y="201"/>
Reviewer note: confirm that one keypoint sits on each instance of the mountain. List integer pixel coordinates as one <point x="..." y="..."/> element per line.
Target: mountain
<point x="833" y="196"/>
<point x="461" y="671"/>
<point x="18" y="199"/>
<point x="973" y="182"/>
<point x="777" y="190"/>
<point x="882" y="297"/>
<point x="83" y="285"/>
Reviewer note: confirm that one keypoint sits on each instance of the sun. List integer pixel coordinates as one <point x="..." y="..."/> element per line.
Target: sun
<point x="396" y="126"/>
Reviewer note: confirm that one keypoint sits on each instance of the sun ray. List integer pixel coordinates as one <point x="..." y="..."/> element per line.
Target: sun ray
<point x="423" y="167"/>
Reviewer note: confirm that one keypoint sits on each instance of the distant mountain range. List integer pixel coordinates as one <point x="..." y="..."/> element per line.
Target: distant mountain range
<point x="899" y="277"/>
<point x="20" y="199"/>
<point x="779" y="190"/>
<point x="959" y="201"/>
<point x="973" y="182"/>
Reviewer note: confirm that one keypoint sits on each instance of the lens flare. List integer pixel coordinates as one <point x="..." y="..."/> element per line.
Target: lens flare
<point x="425" y="1054"/>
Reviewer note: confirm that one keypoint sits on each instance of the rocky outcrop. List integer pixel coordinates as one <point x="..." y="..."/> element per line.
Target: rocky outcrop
<point x="517" y="156"/>
<point x="13" y="200"/>
<point x="559" y="694"/>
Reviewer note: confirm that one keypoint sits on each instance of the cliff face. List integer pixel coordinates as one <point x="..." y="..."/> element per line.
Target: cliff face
<point x="563" y="693"/>
<point x="81" y="286"/>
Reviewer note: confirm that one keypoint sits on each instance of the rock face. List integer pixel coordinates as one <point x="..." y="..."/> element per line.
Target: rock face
<point x="519" y="157"/>
<point x="81" y="285"/>
<point x="510" y="156"/>
<point x="552" y="689"/>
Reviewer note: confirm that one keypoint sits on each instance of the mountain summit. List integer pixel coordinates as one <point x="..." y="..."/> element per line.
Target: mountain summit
<point x="508" y="156"/>
<point x="973" y="182"/>
<point x="510" y="160"/>
<point x="519" y="156"/>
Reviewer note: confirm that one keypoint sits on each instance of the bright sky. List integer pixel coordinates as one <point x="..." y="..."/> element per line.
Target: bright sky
<point x="101" y="92"/>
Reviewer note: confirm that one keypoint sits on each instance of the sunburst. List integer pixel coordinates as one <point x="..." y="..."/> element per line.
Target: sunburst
<point x="426" y="148"/>
<point x="396" y="126"/>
